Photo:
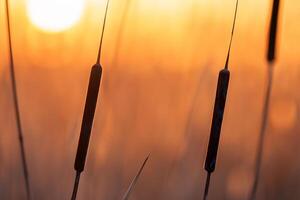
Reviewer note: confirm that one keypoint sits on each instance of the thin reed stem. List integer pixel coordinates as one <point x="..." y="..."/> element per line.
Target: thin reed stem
<point x="218" y="113"/>
<point x="232" y="31"/>
<point x="102" y="34"/>
<point x="265" y="113"/>
<point x="262" y="134"/>
<point x="89" y="112"/>
<point x="205" y="194"/>
<point x="16" y="106"/>
<point x="76" y="184"/>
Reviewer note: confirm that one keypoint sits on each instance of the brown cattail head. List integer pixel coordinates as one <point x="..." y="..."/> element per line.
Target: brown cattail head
<point x="88" y="117"/>
<point x="273" y="31"/>
<point x="215" y="131"/>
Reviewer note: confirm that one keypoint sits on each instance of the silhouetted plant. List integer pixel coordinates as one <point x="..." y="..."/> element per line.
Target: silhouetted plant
<point x="220" y="100"/>
<point x="89" y="111"/>
<point x="265" y="112"/>
<point x="16" y="106"/>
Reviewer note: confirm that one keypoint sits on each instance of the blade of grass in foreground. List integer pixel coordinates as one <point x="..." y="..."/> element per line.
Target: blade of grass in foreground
<point x="219" y="107"/>
<point x="89" y="111"/>
<point x="16" y="107"/>
<point x="265" y="112"/>
<point x="134" y="181"/>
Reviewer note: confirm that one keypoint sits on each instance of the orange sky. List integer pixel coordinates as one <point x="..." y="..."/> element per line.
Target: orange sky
<point x="177" y="35"/>
<point x="166" y="64"/>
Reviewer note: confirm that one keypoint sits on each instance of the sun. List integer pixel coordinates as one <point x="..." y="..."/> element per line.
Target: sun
<point x="54" y="15"/>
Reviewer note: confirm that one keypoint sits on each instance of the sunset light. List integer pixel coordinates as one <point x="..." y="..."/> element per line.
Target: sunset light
<point x="54" y="15"/>
<point x="149" y="99"/>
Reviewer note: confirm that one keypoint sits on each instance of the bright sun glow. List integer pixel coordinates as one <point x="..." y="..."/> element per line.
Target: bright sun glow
<point x="54" y="15"/>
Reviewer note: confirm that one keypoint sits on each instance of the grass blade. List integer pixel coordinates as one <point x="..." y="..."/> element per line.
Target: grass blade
<point x="16" y="106"/>
<point x="134" y="181"/>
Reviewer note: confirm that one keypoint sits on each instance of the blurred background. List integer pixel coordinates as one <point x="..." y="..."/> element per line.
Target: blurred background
<point x="161" y="60"/>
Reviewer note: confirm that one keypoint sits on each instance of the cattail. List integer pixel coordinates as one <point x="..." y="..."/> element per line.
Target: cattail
<point x="265" y="112"/>
<point x="215" y="131"/>
<point x="134" y="181"/>
<point x="89" y="111"/>
<point x="88" y="116"/>
<point x="273" y="31"/>
<point x="16" y="107"/>
<point x="220" y="100"/>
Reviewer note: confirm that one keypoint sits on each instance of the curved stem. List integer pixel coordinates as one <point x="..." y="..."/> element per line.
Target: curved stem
<point x="16" y="106"/>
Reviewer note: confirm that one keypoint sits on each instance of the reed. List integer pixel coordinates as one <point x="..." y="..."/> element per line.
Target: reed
<point x="271" y="52"/>
<point x="220" y="101"/>
<point x="273" y="32"/>
<point x="135" y="179"/>
<point x="16" y="106"/>
<point x="89" y="112"/>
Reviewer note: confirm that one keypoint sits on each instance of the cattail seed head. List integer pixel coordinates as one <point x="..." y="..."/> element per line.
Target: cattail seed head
<point x="273" y="31"/>
<point x="88" y="117"/>
<point x="216" y="126"/>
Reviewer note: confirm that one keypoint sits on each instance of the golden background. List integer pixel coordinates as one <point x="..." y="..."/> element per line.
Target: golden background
<point x="157" y="94"/>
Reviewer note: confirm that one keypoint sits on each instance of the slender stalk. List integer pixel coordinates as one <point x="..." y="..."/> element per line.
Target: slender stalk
<point x="89" y="112"/>
<point x="76" y="184"/>
<point x="262" y="134"/>
<point x="134" y="181"/>
<point x="231" y="37"/>
<point x="102" y="34"/>
<point x="16" y="106"/>
<point x="206" y="186"/>
<point x="218" y="113"/>
<point x="271" y="51"/>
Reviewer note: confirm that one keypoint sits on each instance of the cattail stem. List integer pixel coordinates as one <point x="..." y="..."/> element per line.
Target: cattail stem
<point x="76" y="184"/>
<point x="231" y="36"/>
<point x="102" y="34"/>
<point x="265" y="112"/>
<point x="89" y="112"/>
<point x="219" y="107"/>
<point x="206" y="186"/>
<point x="134" y="181"/>
<point x="16" y="106"/>
<point x="262" y="133"/>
